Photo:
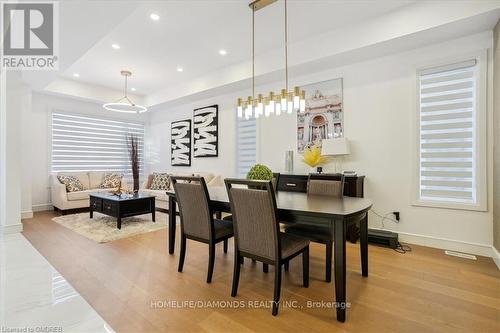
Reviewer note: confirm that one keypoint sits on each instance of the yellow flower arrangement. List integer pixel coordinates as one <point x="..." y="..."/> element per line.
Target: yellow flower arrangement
<point x="313" y="157"/>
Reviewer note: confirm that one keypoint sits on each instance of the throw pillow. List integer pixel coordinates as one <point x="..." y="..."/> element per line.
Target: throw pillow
<point x="72" y="183"/>
<point x="111" y="180"/>
<point x="161" y="181"/>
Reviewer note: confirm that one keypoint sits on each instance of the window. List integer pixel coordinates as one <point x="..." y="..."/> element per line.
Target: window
<point x="81" y="143"/>
<point x="451" y="137"/>
<point x="246" y="145"/>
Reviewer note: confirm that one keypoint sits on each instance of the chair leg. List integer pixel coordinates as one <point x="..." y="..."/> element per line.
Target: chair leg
<point x="225" y="245"/>
<point x="211" y="262"/>
<point x="242" y="260"/>
<point x="265" y="268"/>
<point x="329" y="251"/>
<point x="287" y="266"/>
<point x="305" y="267"/>
<point x="182" y="254"/>
<point x="236" y="273"/>
<point x="277" y="288"/>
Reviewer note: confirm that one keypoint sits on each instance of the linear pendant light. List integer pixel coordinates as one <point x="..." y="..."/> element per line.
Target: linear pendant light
<point x="284" y="102"/>
<point x="125" y="104"/>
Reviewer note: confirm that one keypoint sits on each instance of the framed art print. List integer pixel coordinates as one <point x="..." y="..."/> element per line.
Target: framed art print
<point x="180" y="141"/>
<point x="206" y="131"/>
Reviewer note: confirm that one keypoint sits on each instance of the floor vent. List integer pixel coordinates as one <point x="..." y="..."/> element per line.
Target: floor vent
<point x="461" y="255"/>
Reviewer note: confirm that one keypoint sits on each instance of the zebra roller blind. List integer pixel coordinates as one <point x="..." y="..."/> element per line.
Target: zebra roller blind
<point x="82" y="143"/>
<point x="448" y="131"/>
<point x="246" y="145"/>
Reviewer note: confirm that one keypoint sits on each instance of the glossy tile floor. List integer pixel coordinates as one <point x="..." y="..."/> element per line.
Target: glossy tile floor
<point x="33" y="295"/>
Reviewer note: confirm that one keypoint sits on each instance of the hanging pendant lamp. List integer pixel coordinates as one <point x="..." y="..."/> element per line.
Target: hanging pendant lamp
<point x="283" y="102"/>
<point x="125" y="104"/>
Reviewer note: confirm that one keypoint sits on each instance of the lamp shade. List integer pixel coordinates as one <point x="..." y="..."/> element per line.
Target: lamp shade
<point x="334" y="147"/>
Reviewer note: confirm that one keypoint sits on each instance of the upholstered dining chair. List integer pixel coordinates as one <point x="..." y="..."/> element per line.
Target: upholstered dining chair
<point x="257" y="233"/>
<point x="197" y="222"/>
<point x="320" y="184"/>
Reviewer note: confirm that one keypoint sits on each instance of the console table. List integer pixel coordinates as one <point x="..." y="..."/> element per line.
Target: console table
<point x="353" y="187"/>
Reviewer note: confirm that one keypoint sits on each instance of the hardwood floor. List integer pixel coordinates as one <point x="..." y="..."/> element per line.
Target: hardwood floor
<point x="421" y="291"/>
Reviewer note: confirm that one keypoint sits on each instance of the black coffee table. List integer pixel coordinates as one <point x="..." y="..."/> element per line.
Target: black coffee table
<point x="122" y="206"/>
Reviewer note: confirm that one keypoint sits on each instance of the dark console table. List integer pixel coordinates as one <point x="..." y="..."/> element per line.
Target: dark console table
<point x="353" y="187"/>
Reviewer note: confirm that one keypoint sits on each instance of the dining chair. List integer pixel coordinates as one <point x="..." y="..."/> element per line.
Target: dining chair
<point x="320" y="184"/>
<point x="257" y="233"/>
<point x="197" y="222"/>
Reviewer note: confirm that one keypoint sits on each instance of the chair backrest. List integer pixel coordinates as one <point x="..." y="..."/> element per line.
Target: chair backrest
<point x="276" y="180"/>
<point x="256" y="227"/>
<point x="326" y="184"/>
<point x="193" y="199"/>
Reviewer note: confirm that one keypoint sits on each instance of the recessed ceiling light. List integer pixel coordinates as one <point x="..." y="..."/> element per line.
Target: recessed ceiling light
<point x="133" y="89"/>
<point x="154" y="16"/>
<point x="115" y="46"/>
<point x="76" y="75"/>
<point x="180" y="69"/>
<point x="222" y="52"/>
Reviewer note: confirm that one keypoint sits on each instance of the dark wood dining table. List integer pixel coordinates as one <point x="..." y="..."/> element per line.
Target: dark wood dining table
<point x="315" y="210"/>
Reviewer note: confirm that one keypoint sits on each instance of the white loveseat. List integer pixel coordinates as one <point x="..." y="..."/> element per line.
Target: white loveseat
<point x="161" y="199"/>
<point x="64" y="201"/>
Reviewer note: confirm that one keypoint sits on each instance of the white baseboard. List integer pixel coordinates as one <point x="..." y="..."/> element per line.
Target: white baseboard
<point x="496" y="256"/>
<point x="42" y="207"/>
<point x="11" y="229"/>
<point x="444" y="243"/>
<point x="27" y="215"/>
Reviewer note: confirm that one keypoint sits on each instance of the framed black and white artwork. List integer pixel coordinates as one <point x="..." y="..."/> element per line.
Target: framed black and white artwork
<point x="180" y="140"/>
<point x="206" y="127"/>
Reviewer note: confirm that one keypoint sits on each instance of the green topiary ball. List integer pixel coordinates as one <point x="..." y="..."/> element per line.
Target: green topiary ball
<point x="260" y="172"/>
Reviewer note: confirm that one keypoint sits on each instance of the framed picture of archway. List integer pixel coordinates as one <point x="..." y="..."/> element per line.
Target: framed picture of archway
<point x="324" y="114"/>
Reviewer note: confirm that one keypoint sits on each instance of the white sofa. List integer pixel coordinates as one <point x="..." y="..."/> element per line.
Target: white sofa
<point x="161" y="199"/>
<point x="64" y="201"/>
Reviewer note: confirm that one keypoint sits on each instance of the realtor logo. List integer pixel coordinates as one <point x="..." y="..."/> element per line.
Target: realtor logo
<point x="29" y="35"/>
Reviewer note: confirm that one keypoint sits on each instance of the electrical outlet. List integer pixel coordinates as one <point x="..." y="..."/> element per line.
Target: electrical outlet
<point x="396" y="215"/>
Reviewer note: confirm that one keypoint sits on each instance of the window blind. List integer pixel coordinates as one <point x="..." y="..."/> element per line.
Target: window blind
<point x="81" y="143"/>
<point x="246" y="145"/>
<point x="448" y="133"/>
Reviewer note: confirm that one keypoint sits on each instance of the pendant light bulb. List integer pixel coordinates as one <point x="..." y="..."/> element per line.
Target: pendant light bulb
<point x="239" y="109"/>
<point x="302" y="108"/>
<point x="270" y="104"/>
<point x="296" y="98"/>
<point x="283" y="100"/>
<point x="249" y="109"/>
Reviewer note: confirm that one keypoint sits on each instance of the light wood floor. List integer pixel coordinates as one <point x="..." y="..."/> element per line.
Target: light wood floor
<point x="421" y="291"/>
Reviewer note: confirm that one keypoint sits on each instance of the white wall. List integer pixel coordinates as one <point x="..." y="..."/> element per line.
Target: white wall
<point x="14" y="98"/>
<point x="380" y="109"/>
<point x="496" y="176"/>
<point x="36" y="129"/>
<point x="158" y="138"/>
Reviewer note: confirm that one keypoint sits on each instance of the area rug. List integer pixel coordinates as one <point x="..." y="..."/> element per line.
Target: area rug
<point x="102" y="228"/>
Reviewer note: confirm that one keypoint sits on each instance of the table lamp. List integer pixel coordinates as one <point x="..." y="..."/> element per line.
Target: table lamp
<point x="335" y="147"/>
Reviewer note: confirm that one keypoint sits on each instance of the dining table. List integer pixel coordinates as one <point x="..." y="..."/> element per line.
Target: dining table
<point x="315" y="210"/>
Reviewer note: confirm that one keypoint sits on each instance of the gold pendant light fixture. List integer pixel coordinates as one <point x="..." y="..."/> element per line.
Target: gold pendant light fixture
<point x="125" y="104"/>
<point x="283" y="102"/>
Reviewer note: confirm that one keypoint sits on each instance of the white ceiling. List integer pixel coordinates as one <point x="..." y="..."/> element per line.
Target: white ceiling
<point x="190" y="33"/>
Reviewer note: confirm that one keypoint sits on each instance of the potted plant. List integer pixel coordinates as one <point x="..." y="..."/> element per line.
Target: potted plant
<point x="313" y="158"/>
<point x="260" y="172"/>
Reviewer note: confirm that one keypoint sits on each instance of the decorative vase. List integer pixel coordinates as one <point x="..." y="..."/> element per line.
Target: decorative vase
<point x="289" y="161"/>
